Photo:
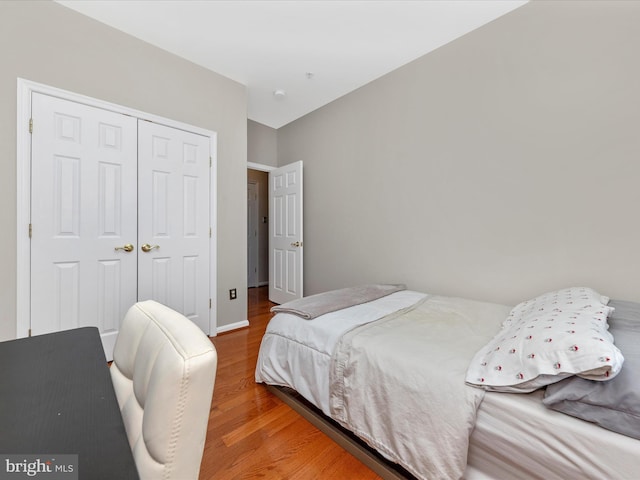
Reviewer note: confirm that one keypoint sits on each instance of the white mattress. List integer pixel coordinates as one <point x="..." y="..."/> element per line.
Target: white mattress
<point x="515" y="435"/>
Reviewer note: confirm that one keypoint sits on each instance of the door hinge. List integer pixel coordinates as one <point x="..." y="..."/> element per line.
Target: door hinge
<point x="210" y="232"/>
<point x="30" y="230"/>
<point x="209" y="304"/>
<point x="31" y="125"/>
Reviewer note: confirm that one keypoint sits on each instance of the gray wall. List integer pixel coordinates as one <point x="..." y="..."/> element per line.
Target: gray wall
<point x="48" y="43"/>
<point x="262" y="146"/>
<point x="500" y="166"/>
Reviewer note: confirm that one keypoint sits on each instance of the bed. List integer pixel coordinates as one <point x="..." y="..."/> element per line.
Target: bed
<point x="403" y="371"/>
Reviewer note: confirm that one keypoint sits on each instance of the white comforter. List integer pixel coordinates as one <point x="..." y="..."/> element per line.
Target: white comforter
<point x="398" y="383"/>
<point x="296" y="352"/>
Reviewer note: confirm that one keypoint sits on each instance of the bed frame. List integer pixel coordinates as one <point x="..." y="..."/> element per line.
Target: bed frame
<point x="343" y="437"/>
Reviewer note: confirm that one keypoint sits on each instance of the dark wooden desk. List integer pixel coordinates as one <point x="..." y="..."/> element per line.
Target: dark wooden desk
<point x="56" y="397"/>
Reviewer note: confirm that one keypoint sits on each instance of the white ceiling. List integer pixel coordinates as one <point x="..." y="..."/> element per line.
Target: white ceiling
<point x="275" y="45"/>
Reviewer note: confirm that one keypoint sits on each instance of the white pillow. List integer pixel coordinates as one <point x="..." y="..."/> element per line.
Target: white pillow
<point x="546" y="339"/>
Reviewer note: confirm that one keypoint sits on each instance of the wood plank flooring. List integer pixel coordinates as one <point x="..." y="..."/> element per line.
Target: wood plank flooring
<point x="253" y="434"/>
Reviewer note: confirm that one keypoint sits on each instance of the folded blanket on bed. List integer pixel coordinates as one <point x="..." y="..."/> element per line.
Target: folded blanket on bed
<point x="315" y="305"/>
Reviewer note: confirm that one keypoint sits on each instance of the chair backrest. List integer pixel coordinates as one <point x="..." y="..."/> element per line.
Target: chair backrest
<point x="163" y="372"/>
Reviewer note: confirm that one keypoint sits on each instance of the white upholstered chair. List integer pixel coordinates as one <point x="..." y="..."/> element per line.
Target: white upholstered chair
<point x="163" y="372"/>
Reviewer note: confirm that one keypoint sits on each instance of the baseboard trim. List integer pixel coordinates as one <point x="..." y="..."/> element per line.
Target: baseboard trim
<point x="232" y="326"/>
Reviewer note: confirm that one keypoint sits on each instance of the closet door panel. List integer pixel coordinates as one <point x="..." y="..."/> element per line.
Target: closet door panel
<point x="83" y="207"/>
<point x="173" y="228"/>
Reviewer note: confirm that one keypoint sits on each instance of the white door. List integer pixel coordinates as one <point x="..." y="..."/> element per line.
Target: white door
<point x="84" y="172"/>
<point x="252" y="235"/>
<point x="285" y="238"/>
<point x="173" y="220"/>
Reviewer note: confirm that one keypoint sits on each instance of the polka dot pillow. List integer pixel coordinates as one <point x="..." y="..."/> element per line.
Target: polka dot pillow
<point x="546" y="339"/>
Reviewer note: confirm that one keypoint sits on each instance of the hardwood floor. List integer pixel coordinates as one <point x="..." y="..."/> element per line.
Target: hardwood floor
<point x="253" y="434"/>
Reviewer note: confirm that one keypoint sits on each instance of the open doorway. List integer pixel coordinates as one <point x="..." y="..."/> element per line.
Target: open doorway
<point x="257" y="228"/>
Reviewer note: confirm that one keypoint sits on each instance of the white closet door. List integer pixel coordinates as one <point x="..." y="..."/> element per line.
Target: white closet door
<point x="173" y="220"/>
<point x="82" y="211"/>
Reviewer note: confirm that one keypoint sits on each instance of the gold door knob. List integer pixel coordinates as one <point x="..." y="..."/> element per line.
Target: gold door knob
<point x="127" y="248"/>
<point x="147" y="248"/>
<point x="296" y="244"/>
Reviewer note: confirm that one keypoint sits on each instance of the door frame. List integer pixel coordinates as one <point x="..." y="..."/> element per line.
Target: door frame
<point x="23" y="200"/>
<point x="260" y="167"/>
